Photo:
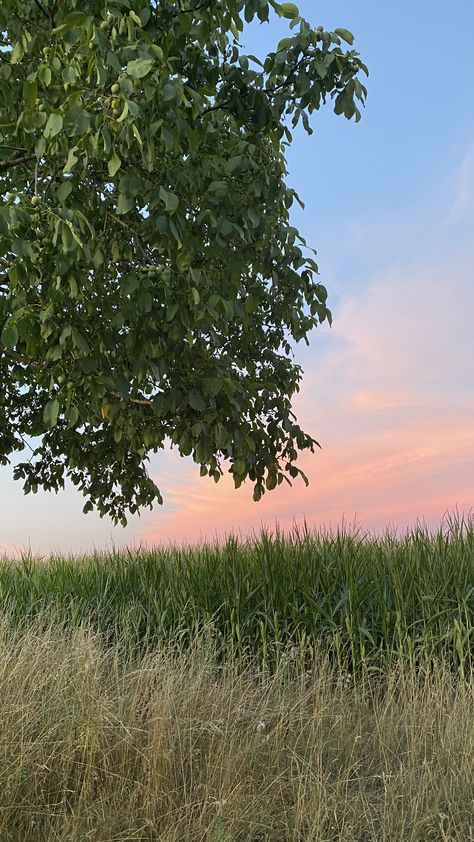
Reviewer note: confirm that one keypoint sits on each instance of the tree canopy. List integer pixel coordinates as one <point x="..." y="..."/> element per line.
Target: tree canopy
<point x="151" y="281"/>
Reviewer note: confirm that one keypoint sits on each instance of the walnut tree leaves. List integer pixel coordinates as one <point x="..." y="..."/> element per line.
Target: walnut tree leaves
<point x="151" y="282"/>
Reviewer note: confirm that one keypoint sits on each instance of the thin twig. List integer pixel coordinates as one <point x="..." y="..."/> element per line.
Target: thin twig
<point x="194" y="9"/>
<point x="127" y="228"/>
<point x="13" y="162"/>
<point x="46" y="13"/>
<point x="27" y="361"/>
<point x="141" y="402"/>
<point x="215" y="108"/>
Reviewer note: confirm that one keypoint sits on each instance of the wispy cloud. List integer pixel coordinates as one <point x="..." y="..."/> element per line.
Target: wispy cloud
<point x="463" y="198"/>
<point x="388" y="393"/>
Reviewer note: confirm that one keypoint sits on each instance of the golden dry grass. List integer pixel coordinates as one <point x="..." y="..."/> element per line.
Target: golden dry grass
<point x="174" y="747"/>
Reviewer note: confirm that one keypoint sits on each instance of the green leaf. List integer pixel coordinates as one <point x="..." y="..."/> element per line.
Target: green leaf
<point x="114" y="164"/>
<point x="284" y="43"/>
<point x="40" y="147"/>
<point x="272" y="481"/>
<point x="345" y="35"/>
<point x="71" y="160"/>
<point x="72" y="416"/>
<point x="89" y="507"/>
<point x="289" y="10"/>
<point x="140" y="67"/>
<point x="79" y="341"/>
<point x="168" y="92"/>
<point x="235" y="162"/>
<point x="321" y="293"/>
<point x="131" y="184"/>
<point x="137" y="135"/>
<point x="71" y="20"/>
<point x="239" y="467"/>
<point x="254" y="217"/>
<point x="219" y="188"/>
<point x="77" y="121"/>
<point x="17" y="53"/>
<point x="44" y="75"/>
<point x="9" y="335"/>
<point x="124" y="204"/>
<point x="54" y="125"/>
<point x="124" y="113"/>
<point x="212" y="386"/>
<point x="168" y="138"/>
<point x="30" y="92"/>
<point x="54" y="353"/>
<point x="196" y="401"/>
<point x="64" y="191"/>
<point x="50" y="413"/>
<point x="170" y="199"/>
<point x="88" y="364"/>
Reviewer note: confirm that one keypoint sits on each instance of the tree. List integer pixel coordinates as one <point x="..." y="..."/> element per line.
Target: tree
<point x="150" y="279"/>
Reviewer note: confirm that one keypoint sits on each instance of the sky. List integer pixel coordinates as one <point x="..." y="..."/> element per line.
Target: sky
<point x="388" y="391"/>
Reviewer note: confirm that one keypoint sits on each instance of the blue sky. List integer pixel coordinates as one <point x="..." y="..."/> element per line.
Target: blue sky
<point x="389" y="390"/>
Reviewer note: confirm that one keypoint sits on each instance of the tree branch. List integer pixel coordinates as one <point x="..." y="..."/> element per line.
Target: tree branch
<point x="27" y="361"/>
<point x="128" y="229"/>
<point x="194" y="9"/>
<point x="45" y="12"/>
<point x="270" y="92"/>
<point x="12" y="162"/>
<point x="215" y="108"/>
<point x="141" y="402"/>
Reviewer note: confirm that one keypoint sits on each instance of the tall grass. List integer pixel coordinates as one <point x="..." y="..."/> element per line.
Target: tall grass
<point x="369" y="599"/>
<point x="179" y="746"/>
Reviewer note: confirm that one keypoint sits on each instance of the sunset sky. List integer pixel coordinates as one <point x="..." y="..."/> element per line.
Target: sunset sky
<point x="388" y="391"/>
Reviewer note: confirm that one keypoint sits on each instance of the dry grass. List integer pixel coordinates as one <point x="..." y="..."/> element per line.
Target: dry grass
<point x="174" y="747"/>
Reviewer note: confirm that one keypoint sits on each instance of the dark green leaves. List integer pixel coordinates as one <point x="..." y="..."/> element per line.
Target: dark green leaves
<point x="218" y="188"/>
<point x="168" y="92"/>
<point x="197" y="401"/>
<point x="125" y="204"/>
<point x="50" y="413"/>
<point x="152" y="281"/>
<point x="9" y="336"/>
<point x="170" y="199"/>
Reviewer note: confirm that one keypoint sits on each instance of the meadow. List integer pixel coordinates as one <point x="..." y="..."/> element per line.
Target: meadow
<point x="293" y="687"/>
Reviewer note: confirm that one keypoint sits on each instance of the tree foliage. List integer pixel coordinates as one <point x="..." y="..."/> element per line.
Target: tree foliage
<point x="150" y="279"/>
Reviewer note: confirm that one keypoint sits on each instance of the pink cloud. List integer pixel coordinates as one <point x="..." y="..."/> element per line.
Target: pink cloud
<point x="397" y="476"/>
<point x="389" y="401"/>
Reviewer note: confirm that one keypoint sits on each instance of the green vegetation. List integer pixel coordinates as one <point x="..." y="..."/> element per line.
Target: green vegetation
<point x="307" y="688"/>
<point x="368" y="601"/>
<point x="151" y="282"/>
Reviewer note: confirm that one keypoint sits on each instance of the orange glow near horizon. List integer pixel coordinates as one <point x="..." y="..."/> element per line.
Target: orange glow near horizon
<point x="393" y="477"/>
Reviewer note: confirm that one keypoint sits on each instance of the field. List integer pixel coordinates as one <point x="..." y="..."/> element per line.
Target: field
<point x="302" y="687"/>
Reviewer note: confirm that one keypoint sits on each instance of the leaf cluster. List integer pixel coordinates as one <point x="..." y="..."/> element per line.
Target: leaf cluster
<point x="151" y="282"/>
